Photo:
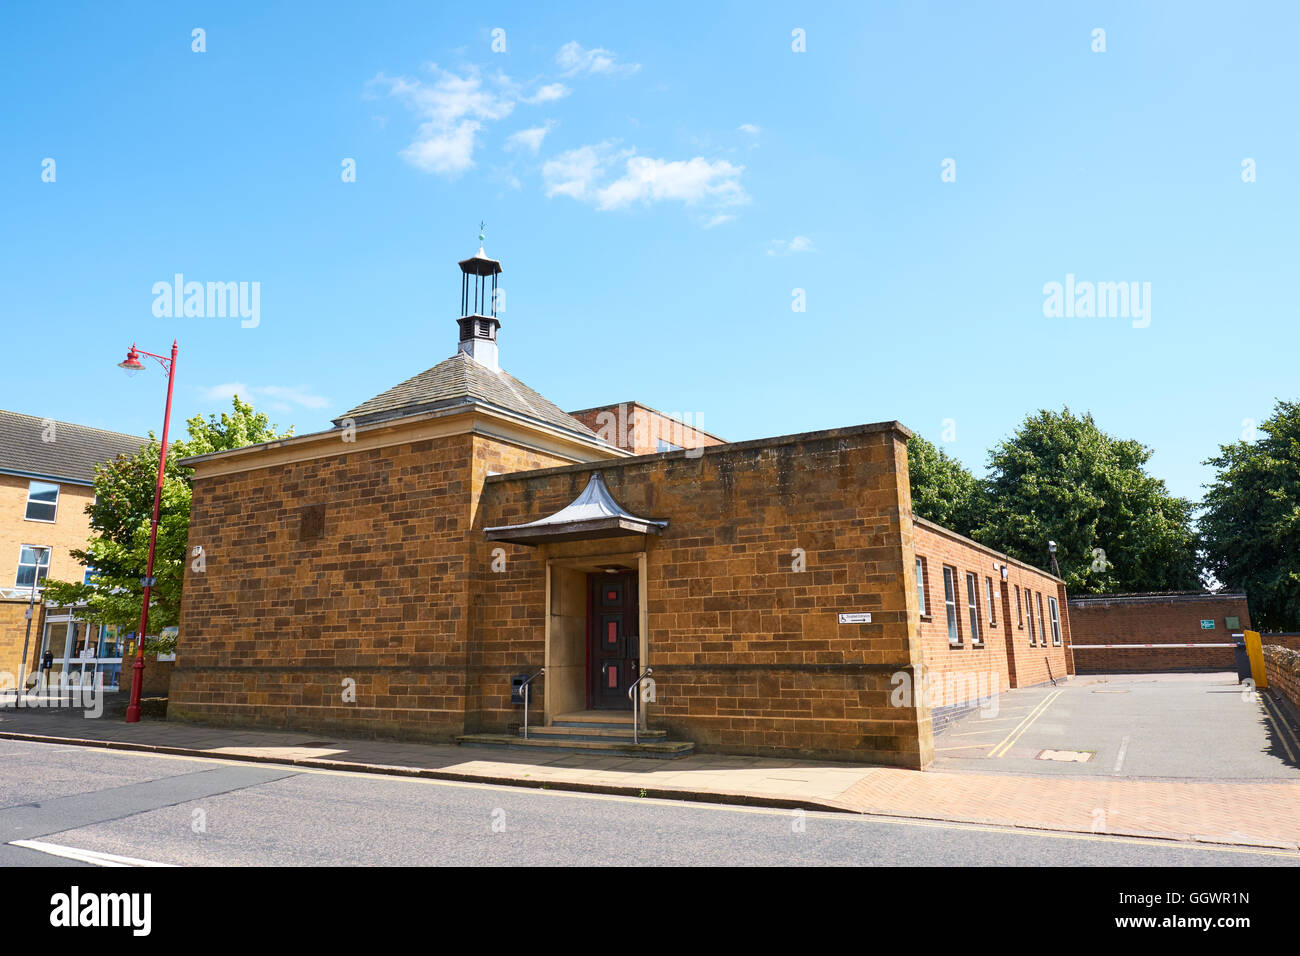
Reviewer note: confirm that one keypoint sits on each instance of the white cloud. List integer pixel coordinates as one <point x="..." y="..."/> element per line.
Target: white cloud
<point x="690" y="181"/>
<point x="529" y="139"/>
<point x="749" y="128"/>
<point x="785" y="247"/>
<point x="584" y="174"/>
<point x="574" y="172"/>
<point x="717" y="220"/>
<point x="574" y="59"/>
<point x="549" y="93"/>
<point x="276" y="398"/>
<point x="453" y="109"/>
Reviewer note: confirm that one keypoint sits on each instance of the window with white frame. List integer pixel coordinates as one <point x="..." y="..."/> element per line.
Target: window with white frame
<point x="950" y="603"/>
<point x="1020" y="616"/>
<point x="1056" y="620"/>
<point x="988" y="587"/>
<point x="33" y="565"/>
<point x="1029" y="615"/>
<point x="42" y="501"/>
<point x="973" y="607"/>
<point x="1042" y="628"/>
<point x="920" y="587"/>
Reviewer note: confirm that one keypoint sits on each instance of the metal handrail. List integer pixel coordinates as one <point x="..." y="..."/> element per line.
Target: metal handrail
<point x="524" y="687"/>
<point x="636" y="701"/>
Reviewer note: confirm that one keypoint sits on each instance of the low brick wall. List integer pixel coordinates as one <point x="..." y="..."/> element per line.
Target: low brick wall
<point x="1282" y="667"/>
<point x="1112" y="632"/>
<point x="1283" y="639"/>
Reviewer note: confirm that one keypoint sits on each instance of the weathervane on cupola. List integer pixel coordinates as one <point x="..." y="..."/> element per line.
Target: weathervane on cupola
<point x="478" y="307"/>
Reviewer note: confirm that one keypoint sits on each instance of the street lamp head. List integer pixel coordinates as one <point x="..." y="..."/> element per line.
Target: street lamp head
<point x="1051" y="546"/>
<point x="132" y="364"/>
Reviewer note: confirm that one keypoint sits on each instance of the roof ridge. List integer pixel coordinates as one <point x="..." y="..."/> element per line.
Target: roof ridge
<point x="89" y="428"/>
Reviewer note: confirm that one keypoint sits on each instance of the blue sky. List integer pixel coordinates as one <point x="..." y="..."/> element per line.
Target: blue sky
<point x="657" y="186"/>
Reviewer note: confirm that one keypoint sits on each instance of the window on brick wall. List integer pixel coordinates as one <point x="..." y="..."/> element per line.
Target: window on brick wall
<point x="1020" y="617"/>
<point x="973" y="607"/>
<point x="1029" y="615"/>
<point x="950" y="603"/>
<point x="920" y="587"/>
<point x="33" y="565"/>
<point x="1042" y="629"/>
<point x="1056" y="620"/>
<point x="988" y="589"/>
<point x="42" y="501"/>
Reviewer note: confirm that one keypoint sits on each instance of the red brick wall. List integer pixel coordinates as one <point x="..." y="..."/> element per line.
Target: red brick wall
<point x="1291" y="641"/>
<point x="1023" y="664"/>
<point x="637" y="428"/>
<point x="1155" y="619"/>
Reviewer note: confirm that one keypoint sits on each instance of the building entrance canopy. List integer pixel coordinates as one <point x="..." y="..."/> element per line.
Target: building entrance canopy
<point x="593" y="514"/>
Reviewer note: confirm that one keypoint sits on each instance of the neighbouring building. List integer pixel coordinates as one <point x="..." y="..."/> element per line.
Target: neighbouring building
<point x="47" y="474"/>
<point x="404" y="572"/>
<point x="1161" y="631"/>
<point x="643" y="430"/>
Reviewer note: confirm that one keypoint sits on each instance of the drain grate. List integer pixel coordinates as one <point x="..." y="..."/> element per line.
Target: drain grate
<point x="1066" y="756"/>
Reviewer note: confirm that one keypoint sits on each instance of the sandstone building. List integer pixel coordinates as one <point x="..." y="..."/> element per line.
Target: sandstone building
<point x="402" y="572"/>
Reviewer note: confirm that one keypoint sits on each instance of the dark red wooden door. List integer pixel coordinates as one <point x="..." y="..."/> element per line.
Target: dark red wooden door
<point x="615" y="640"/>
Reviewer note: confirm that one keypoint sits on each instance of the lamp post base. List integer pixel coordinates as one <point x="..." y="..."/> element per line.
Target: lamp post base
<point x="137" y="685"/>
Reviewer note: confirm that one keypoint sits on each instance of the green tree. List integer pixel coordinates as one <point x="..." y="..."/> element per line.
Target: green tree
<point x="1117" y="529"/>
<point x="942" y="489"/>
<point x="122" y="512"/>
<point x="1251" y="523"/>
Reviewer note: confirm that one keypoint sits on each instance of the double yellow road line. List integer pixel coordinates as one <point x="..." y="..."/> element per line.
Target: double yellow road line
<point x="1001" y="749"/>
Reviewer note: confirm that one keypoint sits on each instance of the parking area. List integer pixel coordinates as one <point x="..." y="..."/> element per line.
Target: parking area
<point x="1153" y="726"/>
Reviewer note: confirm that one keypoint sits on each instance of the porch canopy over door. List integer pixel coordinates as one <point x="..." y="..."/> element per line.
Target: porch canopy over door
<point x="593" y="514"/>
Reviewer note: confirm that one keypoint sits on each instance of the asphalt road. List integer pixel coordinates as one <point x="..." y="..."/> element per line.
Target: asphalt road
<point x="203" y="812"/>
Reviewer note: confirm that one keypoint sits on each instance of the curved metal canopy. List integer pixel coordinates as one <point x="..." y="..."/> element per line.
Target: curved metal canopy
<point x="593" y="514"/>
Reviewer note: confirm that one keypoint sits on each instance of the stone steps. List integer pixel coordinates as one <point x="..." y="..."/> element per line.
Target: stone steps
<point x="623" y="746"/>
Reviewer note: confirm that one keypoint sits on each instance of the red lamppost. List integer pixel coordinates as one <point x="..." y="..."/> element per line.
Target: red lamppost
<point x="133" y="365"/>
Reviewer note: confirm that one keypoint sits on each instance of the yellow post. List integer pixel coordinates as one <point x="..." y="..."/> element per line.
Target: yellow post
<point x="1255" y="651"/>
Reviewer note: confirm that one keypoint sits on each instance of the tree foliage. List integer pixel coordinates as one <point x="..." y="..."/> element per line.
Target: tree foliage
<point x="122" y="512"/>
<point x="943" y="490"/>
<point x="1117" y="529"/>
<point x="1251" y="523"/>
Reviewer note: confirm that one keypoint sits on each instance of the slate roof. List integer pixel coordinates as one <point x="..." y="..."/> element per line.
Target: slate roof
<point x="72" y="455"/>
<point x="462" y="381"/>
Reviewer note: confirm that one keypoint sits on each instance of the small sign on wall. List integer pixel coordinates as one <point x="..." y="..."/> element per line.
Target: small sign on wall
<point x="1207" y="625"/>
<point x="855" y="617"/>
